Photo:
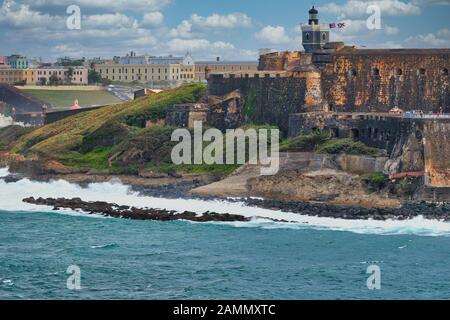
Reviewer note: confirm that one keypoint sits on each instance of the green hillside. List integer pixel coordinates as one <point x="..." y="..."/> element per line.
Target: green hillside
<point x="112" y="138"/>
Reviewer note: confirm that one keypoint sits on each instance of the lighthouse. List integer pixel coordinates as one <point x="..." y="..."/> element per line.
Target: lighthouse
<point x="314" y="35"/>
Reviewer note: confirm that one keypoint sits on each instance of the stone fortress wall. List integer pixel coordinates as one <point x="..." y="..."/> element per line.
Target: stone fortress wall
<point x="351" y="92"/>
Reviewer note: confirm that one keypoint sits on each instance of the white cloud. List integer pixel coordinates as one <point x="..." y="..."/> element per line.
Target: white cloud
<point x="392" y="45"/>
<point x="193" y="45"/>
<point x="229" y="21"/>
<point x="391" y="31"/>
<point x="196" y="24"/>
<point x="358" y="8"/>
<point x="183" y="30"/>
<point x="431" y="2"/>
<point x="116" y="20"/>
<point x="440" y="39"/>
<point x="141" y="42"/>
<point x="105" y="5"/>
<point x="15" y="15"/>
<point x="273" y="35"/>
<point x="152" y="19"/>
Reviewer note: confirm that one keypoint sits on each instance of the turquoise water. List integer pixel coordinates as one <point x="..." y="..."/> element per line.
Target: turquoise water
<point x="181" y="260"/>
<point x="311" y="258"/>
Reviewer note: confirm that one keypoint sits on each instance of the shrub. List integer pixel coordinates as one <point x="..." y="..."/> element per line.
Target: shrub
<point x="348" y="146"/>
<point x="376" y="180"/>
<point x="306" y="143"/>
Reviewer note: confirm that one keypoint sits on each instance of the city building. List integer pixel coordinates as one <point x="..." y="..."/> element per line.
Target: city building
<point x="4" y="62"/>
<point x="204" y="68"/>
<point x="29" y="76"/>
<point x="79" y="75"/>
<point x="17" y="61"/>
<point x="11" y="76"/>
<point x="148" y="69"/>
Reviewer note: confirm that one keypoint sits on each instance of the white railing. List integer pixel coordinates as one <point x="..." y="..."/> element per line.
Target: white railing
<point x="410" y="115"/>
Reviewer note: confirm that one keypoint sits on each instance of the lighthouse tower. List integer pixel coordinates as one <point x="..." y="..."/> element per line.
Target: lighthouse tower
<point x="314" y="35"/>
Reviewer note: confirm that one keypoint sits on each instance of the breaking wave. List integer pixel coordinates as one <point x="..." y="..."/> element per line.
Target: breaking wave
<point x="8" y="121"/>
<point x="11" y="195"/>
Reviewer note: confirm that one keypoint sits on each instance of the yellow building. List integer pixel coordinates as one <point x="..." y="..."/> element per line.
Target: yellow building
<point x="203" y="68"/>
<point x="11" y="76"/>
<point x="145" y="73"/>
<point x="148" y="69"/>
<point x="18" y="76"/>
<point x="30" y="76"/>
<point x="172" y="69"/>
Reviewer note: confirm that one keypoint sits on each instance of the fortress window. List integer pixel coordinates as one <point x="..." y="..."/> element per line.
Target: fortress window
<point x="444" y="72"/>
<point x="307" y="36"/>
<point x="375" y="72"/>
<point x="399" y="72"/>
<point x="421" y="72"/>
<point x="324" y="36"/>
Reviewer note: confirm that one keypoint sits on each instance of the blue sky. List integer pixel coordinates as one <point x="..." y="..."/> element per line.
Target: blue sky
<point x="231" y="29"/>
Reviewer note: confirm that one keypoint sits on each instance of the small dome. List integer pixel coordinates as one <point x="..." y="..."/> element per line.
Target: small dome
<point x="313" y="11"/>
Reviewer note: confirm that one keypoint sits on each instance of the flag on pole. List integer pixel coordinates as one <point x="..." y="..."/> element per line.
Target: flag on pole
<point x="332" y="25"/>
<point x="341" y="25"/>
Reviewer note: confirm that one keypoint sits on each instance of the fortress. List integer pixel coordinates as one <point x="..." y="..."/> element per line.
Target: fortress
<point x="393" y="99"/>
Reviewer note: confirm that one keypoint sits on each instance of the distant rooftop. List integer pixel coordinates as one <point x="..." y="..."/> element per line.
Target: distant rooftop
<point x="214" y="62"/>
<point x="59" y="67"/>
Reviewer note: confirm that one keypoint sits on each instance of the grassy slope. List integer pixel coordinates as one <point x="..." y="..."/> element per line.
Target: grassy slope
<point x="63" y="99"/>
<point x="11" y="133"/>
<point x="61" y="139"/>
<point x="321" y="142"/>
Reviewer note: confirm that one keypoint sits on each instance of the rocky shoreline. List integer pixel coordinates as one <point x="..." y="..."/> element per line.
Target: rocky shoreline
<point x="181" y="189"/>
<point x="408" y="210"/>
<point x="132" y="213"/>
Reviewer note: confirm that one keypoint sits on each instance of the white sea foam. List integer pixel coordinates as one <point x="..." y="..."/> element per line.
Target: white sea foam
<point x="8" y="121"/>
<point x="11" y="196"/>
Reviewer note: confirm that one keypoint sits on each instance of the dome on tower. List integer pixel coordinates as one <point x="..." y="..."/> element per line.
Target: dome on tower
<point x="313" y="11"/>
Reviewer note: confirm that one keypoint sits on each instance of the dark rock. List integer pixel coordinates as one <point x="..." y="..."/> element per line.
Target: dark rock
<point x="125" y="212"/>
<point x="12" y="178"/>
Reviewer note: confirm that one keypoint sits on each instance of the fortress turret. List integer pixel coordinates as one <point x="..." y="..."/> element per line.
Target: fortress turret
<point x="314" y="35"/>
<point x="313" y="16"/>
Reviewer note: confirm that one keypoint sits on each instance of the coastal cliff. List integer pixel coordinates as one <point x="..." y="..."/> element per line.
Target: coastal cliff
<point x="117" y="142"/>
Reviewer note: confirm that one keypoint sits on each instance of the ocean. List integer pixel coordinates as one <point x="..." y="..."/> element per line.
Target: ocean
<point x="313" y="258"/>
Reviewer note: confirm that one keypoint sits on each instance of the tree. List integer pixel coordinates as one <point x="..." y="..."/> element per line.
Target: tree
<point x="94" y="77"/>
<point x="69" y="74"/>
<point x="43" y="81"/>
<point x="53" y="80"/>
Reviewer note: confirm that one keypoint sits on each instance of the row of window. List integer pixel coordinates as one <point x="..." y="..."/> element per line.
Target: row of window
<point x="10" y="79"/>
<point x="124" y="70"/>
<point x="183" y="76"/>
<point x="308" y="36"/>
<point x="39" y="79"/>
<point x="9" y="73"/>
<point x="398" y="72"/>
<point x="224" y="68"/>
<point x="78" y="73"/>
